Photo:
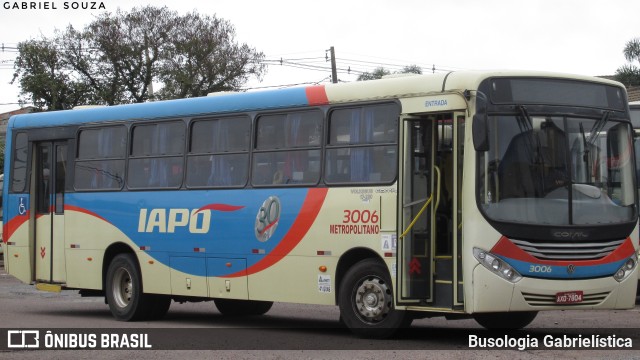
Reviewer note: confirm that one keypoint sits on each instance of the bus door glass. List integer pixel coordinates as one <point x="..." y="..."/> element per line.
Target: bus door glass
<point x="431" y="212"/>
<point x="49" y="180"/>
<point x="417" y="200"/>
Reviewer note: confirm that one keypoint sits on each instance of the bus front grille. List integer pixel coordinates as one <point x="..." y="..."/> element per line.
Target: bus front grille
<point x="568" y="250"/>
<point x="550" y="300"/>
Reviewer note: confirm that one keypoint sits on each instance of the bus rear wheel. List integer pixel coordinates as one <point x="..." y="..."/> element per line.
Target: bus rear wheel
<point x="366" y="301"/>
<point x="505" y="320"/>
<point x="124" y="290"/>
<point x="232" y="307"/>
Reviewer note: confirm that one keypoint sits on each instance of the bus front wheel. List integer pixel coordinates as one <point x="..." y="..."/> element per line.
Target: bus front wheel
<point x="366" y="301"/>
<point x="124" y="289"/>
<point x="505" y="320"/>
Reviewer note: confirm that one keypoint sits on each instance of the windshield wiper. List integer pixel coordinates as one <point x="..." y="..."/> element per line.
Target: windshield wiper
<point x="598" y="126"/>
<point x="524" y="120"/>
<point x="526" y="125"/>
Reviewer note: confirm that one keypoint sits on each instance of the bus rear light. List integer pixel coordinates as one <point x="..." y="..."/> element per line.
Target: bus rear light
<point x="496" y="265"/>
<point x="626" y="269"/>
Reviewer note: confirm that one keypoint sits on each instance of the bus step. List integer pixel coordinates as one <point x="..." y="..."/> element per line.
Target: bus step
<point x="444" y="268"/>
<point x="49" y="287"/>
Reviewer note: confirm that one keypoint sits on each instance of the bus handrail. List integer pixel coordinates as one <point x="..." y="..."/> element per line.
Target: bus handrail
<point x="424" y="207"/>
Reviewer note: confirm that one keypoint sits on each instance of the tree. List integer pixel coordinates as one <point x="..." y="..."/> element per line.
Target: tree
<point x="204" y="57"/>
<point x="629" y="74"/>
<point x="378" y="73"/>
<point x="411" y="69"/>
<point x="119" y="57"/>
<point x="43" y="79"/>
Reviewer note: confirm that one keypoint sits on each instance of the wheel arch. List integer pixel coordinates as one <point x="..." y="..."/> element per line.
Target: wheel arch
<point x="350" y="258"/>
<point x="110" y="253"/>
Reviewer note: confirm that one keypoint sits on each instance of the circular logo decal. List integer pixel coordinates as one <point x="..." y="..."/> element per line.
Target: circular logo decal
<point x="267" y="218"/>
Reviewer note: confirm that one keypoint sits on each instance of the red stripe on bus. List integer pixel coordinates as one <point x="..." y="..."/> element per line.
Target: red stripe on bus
<point x="508" y="249"/>
<point x="307" y="216"/>
<point x="12" y="225"/>
<point x="220" y="207"/>
<point x="316" y="95"/>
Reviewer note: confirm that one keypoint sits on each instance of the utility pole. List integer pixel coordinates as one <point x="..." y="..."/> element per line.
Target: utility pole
<point x="334" y="70"/>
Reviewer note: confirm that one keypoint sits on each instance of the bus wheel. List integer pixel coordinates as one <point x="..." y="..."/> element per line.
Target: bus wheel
<point x="232" y="307"/>
<point x="158" y="306"/>
<point x="124" y="289"/>
<point x="505" y="320"/>
<point x="366" y="301"/>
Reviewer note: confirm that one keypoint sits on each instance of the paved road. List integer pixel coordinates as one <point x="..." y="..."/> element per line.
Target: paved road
<point x="288" y="331"/>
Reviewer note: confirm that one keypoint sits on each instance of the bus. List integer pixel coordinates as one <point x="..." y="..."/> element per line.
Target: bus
<point x="485" y="195"/>
<point x="634" y="107"/>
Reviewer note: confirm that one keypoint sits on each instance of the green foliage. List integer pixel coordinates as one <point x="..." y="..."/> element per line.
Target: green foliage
<point x="119" y="57"/>
<point x="43" y="78"/>
<point x="380" y="72"/>
<point x="629" y="74"/>
<point x="203" y="57"/>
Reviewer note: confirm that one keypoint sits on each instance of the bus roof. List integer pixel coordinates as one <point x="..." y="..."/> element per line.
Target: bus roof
<point x="389" y="88"/>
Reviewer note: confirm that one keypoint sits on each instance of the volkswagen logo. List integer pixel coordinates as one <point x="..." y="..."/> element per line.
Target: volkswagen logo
<point x="571" y="269"/>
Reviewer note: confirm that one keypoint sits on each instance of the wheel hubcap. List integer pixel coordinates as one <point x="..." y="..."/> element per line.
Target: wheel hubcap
<point x="372" y="300"/>
<point x="122" y="287"/>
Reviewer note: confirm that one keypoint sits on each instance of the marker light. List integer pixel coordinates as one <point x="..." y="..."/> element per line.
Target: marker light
<point x="626" y="269"/>
<point x="496" y="265"/>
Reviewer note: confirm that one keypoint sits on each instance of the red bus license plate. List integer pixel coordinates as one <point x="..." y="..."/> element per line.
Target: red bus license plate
<point x="570" y="297"/>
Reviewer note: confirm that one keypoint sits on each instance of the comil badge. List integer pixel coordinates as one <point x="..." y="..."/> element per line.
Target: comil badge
<point x="267" y="218"/>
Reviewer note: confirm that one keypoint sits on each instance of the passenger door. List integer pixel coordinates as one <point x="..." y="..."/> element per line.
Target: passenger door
<point x="49" y="185"/>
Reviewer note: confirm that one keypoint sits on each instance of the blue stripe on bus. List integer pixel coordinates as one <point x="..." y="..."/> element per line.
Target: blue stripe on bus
<point x="262" y="100"/>
<point x="528" y="269"/>
<point x="231" y="233"/>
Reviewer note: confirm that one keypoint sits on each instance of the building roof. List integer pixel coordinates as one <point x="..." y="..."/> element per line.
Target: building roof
<point x="633" y="93"/>
<point x="25" y="110"/>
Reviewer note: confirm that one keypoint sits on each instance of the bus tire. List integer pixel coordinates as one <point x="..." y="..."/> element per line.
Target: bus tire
<point x="366" y="301"/>
<point x="505" y="320"/>
<point x="124" y="290"/>
<point x="158" y="306"/>
<point x="233" y="307"/>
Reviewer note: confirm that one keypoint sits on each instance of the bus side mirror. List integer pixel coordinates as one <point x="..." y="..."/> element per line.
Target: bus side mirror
<point x="480" y="132"/>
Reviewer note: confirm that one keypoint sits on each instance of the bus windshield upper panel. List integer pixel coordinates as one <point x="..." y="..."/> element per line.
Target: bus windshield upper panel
<point x="551" y="169"/>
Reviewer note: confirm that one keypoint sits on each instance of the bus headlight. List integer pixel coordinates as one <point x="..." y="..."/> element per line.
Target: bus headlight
<point x="496" y="265"/>
<point x="626" y="269"/>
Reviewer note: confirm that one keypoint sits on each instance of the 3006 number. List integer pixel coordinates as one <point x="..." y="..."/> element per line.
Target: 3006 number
<point x="360" y="216"/>
<point x="539" y="269"/>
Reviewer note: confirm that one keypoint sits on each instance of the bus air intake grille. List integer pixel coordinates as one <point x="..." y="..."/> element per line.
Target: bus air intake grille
<point x="550" y="300"/>
<point x="558" y="250"/>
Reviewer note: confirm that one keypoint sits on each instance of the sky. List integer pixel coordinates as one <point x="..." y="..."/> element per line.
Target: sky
<point x="584" y="37"/>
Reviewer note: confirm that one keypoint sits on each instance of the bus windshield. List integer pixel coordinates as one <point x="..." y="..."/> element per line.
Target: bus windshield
<point x="557" y="170"/>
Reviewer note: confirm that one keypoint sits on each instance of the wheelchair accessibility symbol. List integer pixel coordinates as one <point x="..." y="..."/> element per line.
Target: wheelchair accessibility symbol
<point x="22" y="207"/>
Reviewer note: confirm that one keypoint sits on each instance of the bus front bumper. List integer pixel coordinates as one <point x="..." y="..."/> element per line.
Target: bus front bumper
<point x="494" y="294"/>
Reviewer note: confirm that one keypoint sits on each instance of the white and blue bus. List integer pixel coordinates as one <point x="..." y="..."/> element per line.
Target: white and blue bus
<point x="494" y="195"/>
